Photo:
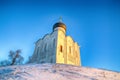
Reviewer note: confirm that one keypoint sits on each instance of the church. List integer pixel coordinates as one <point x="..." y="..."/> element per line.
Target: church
<point x="57" y="47"/>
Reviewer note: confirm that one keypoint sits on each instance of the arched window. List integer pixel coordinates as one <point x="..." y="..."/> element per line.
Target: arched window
<point x="61" y="48"/>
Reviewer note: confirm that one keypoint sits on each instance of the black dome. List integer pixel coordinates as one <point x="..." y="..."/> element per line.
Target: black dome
<point x="59" y="24"/>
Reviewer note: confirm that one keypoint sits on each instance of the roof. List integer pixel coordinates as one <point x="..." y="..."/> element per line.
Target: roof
<point x="59" y="24"/>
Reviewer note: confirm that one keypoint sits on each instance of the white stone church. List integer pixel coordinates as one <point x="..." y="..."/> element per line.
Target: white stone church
<point x="57" y="47"/>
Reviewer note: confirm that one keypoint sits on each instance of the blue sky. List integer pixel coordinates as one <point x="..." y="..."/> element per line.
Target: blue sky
<point x="94" y="24"/>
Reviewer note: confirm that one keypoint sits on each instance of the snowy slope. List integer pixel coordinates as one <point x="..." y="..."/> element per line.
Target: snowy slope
<point x="55" y="72"/>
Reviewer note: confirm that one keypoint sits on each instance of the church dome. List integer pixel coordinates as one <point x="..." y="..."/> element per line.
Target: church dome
<point x="59" y="24"/>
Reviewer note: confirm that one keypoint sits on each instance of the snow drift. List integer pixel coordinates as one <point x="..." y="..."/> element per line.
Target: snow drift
<point x="55" y="72"/>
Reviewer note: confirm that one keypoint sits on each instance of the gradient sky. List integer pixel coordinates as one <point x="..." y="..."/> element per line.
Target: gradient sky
<point x="94" y="24"/>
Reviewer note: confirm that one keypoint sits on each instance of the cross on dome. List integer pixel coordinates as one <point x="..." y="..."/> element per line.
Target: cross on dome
<point x="60" y="19"/>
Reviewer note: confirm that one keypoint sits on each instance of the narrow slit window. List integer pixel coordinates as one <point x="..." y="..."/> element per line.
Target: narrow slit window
<point x="54" y="42"/>
<point x="70" y="49"/>
<point x="76" y="53"/>
<point x="45" y="48"/>
<point x="61" y="49"/>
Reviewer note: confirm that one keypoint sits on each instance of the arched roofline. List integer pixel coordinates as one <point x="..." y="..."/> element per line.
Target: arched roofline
<point x="69" y="37"/>
<point x="44" y="37"/>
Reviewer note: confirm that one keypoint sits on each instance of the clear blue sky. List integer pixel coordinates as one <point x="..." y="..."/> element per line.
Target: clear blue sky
<point x="94" y="24"/>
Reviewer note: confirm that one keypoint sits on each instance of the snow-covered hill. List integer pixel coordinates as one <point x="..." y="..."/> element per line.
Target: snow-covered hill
<point x="55" y="72"/>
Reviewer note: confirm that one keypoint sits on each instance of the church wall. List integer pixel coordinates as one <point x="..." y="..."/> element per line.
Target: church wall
<point x="50" y="43"/>
<point x="70" y="51"/>
<point x="77" y="56"/>
<point x="45" y="49"/>
<point x="52" y="48"/>
<point x="60" y="53"/>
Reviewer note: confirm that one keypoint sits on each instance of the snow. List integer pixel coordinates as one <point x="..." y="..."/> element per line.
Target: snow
<point x="55" y="72"/>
